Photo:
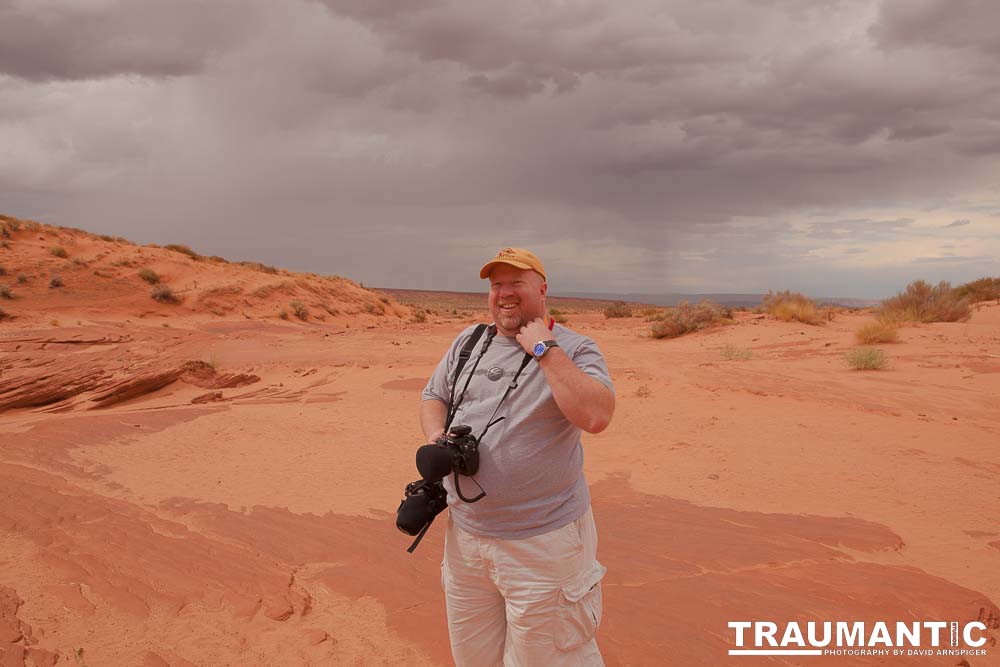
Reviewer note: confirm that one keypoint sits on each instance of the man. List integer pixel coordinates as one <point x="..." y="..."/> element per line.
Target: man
<point x="520" y="573"/>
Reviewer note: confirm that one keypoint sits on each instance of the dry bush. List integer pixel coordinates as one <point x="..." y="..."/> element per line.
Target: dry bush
<point x="163" y="294"/>
<point x="618" y="309"/>
<point x="266" y="290"/>
<point x="222" y="290"/>
<point x="22" y="279"/>
<point x="55" y="281"/>
<point x="878" y="332"/>
<point x="788" y="306"/>
<point x="32" y="225"/>
<point x="149" y="275"/>
<point x="58" y="251"/>
<point x="5" y="292"/>
<point x="643" y="391"/>
<point x="650" y="314"/>
<point x="733" y="353"/>
<point x="557" y="315"/>
<point x="922" y="303"/>
<point x="983" y="289"/>
<point x="283" y="314"/>
<point x="686" y="318"/>
<point x="299" y="310"/>
<point x="419" y="316"/>
<point x="257" y="266"/>
<point x="374" y="308"/>
<point x="3" y="314"/>
<point x="183" y="249"/>
<point x="866" y="359"/>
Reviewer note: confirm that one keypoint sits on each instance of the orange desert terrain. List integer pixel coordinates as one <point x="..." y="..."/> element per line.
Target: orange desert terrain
<point x="212" y="479"/>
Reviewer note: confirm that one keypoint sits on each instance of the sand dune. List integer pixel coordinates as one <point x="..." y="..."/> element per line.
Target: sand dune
<point x="207" y="483"/>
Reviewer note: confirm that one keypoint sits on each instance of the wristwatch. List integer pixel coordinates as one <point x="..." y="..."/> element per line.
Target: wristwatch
<point x="542" y="346"/>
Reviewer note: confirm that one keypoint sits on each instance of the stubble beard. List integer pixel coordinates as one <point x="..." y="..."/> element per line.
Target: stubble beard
<point x="510" y="321"/>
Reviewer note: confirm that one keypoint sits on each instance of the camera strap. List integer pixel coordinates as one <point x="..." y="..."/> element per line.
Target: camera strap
<point x="511" y="387"/>
<point x="463" y="358"/>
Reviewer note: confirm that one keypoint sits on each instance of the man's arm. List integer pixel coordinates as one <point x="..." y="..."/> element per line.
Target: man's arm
<point x="584" y="400"/>
<point x="432" y="416"/>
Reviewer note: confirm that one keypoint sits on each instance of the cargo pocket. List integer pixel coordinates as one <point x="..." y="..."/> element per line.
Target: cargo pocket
<point x="579" y="612"/>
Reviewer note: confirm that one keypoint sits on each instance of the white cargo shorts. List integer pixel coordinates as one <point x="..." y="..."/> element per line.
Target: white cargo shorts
<point x="524" y="603"/>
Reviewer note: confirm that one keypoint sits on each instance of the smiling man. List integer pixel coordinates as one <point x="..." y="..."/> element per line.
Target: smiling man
<point x="520" y="572"/>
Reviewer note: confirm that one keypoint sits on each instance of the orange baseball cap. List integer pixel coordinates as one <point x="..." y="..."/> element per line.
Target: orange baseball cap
<point x="519" y="257"/>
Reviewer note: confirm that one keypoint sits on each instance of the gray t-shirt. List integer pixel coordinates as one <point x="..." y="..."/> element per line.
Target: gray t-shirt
<point x="531" y="463"/>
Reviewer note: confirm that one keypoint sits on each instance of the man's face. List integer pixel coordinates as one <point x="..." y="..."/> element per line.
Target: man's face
<point x="517" y="296"/>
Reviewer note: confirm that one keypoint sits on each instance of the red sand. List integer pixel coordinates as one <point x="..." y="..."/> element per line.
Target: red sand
<point x="257" y="528"/>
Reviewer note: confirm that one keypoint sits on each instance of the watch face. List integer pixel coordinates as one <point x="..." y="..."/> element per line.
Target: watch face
<point x="539" y="349"/>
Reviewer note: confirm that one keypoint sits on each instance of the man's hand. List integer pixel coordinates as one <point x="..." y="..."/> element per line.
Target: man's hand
<point x="585" y="402"/>
<point x="532" y="332"/>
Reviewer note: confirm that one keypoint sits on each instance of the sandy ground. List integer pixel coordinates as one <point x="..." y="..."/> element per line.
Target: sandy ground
<point x="258" y="527"/>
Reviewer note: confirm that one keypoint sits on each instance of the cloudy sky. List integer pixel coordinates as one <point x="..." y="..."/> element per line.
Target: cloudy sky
<point x="835" y="147"/>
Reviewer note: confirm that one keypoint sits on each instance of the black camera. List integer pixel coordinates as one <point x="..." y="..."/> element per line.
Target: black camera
<point x="422" y="502"/>
<point x="457" y="450"/>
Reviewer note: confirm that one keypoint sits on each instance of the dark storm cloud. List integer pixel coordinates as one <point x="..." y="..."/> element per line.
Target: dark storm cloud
<point x="953" y="24"/>
<point x="652" y="143"/>
<point x="79" y="40"/>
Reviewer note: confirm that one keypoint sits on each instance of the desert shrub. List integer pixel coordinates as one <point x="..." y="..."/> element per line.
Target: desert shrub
<point x="686" y="318"/>
<point x="5" y="292"/>
<point x="866" y="359"/>
<point x="733" y="353"/>
<point x="183" y="249"/>
<point x="384" y="299"/>
<point x="22" y="279"/>
<point x="217" y="259"/>
<point x="375" y="308"/>
<point x="650" y="314"/>
<point x="618" y="309"/>
<point x="921" y="302"/>
<point x="643" y="391"/>
<point x="55" y="281"/>
<point x="419" y="316"/>
<point x="32" y="225"/>
<point x="283" y="314"/>
<point x="5" y="244"/>
<point x="58" y="251"/>
<point x="299" y="310"/>
<point x="788" y="306"/>
<point x="149" y="275"/>
<point x="877" y="332"/>
<point x="983" y="289"/>
<point x="559" y="316"/>
<point x="79" y="262"/>
<point x="3" y="314"/>
<point x="3" y="271"/>
<point x="257" y="266"/>
<point x="163" y="294"/>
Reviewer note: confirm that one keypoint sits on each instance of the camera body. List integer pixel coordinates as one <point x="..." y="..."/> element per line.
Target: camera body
<point x="463" y="448"/>
<point x="422" y="501"/>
